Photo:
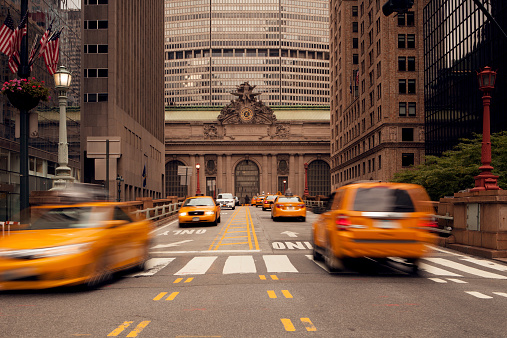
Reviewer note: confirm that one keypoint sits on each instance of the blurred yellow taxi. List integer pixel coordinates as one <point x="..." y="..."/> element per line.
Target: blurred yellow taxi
<point x="199" y="209"/>
<point x="73" y="244"/>
<point x="259" y="201"/>
<point x="253" y="201"/>
<point x="288" y="206"/>
<point x="375" y="220"/>
<point x="268" y="202"/>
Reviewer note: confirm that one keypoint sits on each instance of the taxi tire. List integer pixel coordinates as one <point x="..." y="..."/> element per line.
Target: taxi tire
<point x="141" y="266"/>
<point x="303" y="219"/>
<point x="101" y="275"/>
<point x="334" y="264"/>
<point x="219" y="219"/>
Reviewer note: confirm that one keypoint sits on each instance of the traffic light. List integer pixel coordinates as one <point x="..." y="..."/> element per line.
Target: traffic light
<point x="399" y="6"/>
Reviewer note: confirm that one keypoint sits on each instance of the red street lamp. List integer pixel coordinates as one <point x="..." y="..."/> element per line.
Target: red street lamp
<point x="198" y="191"/>
<point x="486" y="180"/>
<point x="306" y="193"/>
<point x="284" y="181"/>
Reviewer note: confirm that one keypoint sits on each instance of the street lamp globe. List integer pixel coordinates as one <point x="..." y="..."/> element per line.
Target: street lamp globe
<point x="62" y="78"/>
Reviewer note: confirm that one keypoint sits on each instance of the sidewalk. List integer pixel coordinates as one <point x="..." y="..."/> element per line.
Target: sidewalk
<point x="498" y="255"/>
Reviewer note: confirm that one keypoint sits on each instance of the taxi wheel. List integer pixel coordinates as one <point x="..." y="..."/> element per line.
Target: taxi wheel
<point x="219" y="219"/>
<point x="333" y="263"/>
<point x="317" y="256"/>
<point x="100" y="276"/>
<point x="303" y="219"/>
<point x="141" y="266"/>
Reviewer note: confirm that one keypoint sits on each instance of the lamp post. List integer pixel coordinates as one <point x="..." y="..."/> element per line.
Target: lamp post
<point x="306" y="193"/>
<point x="284" y="181"/>
<point x="486" y="180"/>
<point x="119" y="179"/>
<point x="198" y="191"/>
<point x="62" y="83"/>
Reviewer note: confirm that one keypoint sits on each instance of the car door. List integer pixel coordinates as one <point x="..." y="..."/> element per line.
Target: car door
<point x="128" y="237"/>
<point x="323" y="220"/>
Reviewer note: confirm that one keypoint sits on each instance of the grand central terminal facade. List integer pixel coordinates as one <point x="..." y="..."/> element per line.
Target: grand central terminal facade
<point x="247" y="148"/>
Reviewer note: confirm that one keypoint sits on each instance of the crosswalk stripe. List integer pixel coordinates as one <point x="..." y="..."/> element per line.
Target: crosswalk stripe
<point x="459" y="281"/>
<point x="438" y="280"/>
<point x="478" y="294"/>
<point x="503" y="294"/>
<point x="437" y="271"/>
<point x="239" y="264"/>
<point x="278" y="263"/>
<point x="197" y="266"/>
<point x="465" y="268"/>
<point x="485" y="263"/>
<point x="153" y="265"/>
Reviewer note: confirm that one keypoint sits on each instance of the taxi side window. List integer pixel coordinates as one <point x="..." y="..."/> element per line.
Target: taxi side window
<point x="120" y="215"/>
<point x="330" y="200"/>
<point x="336" y="203"/>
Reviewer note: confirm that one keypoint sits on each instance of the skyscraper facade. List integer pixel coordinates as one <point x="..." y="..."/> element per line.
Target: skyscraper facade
<point x="459" y="42"/>
<point x="279" y="46"/>
<point x="377" y="110"/>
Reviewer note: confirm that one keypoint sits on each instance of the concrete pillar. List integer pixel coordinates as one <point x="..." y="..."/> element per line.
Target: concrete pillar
<point x="220" y="173"/>
<point x="228" y="174"/>
<point x="264" y="170"/>
<point x="274" y="175"/>
<point x="193" y="180"/>
<point x="292" y="184"/>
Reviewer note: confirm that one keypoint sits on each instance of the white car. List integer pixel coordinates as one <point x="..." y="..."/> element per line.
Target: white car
<point x="226" y="200"/>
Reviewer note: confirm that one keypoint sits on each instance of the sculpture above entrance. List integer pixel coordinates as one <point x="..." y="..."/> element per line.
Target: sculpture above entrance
<point x="246" y="109"/>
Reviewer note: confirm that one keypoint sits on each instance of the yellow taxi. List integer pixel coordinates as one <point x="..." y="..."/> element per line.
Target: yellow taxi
<point x="260" y="200"/>
<point x="253" y="201"/>
<point x="64" y="245"/>
<point x="375" y="220"/>
<point x="199" y="209"/>
<point x="268" y="202"/>
<point x="288" y="206"/>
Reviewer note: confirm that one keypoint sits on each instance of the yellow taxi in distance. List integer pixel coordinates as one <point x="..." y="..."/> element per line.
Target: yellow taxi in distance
<point x="288" y="206"/>
<point x="268" y="202"/>
<point x="260" y="200"/>
<point x="375" y="220"/>
<point x="74" y="244"/>
<point x="199" y="209"/>
<point x="253" y="201"/>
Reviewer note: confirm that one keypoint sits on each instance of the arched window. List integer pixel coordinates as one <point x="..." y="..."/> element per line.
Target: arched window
<point x="247" y="180"/>
<point x="173" y="186"/>
<point x="319" y="178"/>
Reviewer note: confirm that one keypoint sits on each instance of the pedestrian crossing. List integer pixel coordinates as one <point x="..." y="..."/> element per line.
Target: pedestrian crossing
<point x="438" y="269"/>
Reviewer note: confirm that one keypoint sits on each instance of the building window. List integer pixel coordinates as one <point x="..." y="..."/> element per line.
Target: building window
<point x="411" y="109"/>
<point x="95" y="24"/>
<point x="403" y="109"/>
<point x="355" y="43"/>
<point x="319" y="178"/>
<point x="101" y="72"/>
<point x="379" y="69"/>
<point x="355" y="27"/>
<point x="410" y="40"/>
<point x="401" y="19"/>
<point x="93" y="97"/>
<point x="354" y="10"/>
<point x="410" y="19"/>
<point x="93" y="49"/>
<point x="411" y="63"/>
<point x="173" y="186"/>
<point x="411" y="86"/>
<point x="95" y="2"/>
<point x="379" y="162"/>
<point x="402" y="63"/>
<point x="407" y="159"/>
<point x="401" y="41"/>
<point x="402" y="85"/>
<point x="407" y="134"/>
<point x="355" y="59"/>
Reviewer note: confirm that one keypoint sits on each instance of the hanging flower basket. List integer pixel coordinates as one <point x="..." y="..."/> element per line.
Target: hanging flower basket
<point x="25" y="94"/>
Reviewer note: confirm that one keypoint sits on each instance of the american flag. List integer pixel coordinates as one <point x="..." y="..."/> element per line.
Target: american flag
<point x="357" y="77"/>
<point x="15" y="44"/>
<point x="52" y="52"/>
<point x="44" y="40"/>
<point x="5" y="35"/>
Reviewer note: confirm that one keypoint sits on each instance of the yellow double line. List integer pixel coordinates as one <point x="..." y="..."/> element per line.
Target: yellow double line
<point x="228" y="229"/>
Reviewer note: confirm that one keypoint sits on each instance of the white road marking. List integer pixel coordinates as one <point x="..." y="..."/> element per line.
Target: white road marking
<point x="197" y="266"/>
<point x="162" y="227"/>
<point x="437" y="271"/>
<point x="478" y="294"/>
<point x="239" y="264"/>
<point x="438" y="280"/>
<point x="171" y="244"/>
<point x="503" y="294"/>
<point x="290" y="233"/>
<point x="445" y="251"/>
<point x="153" y="265"/>
<point x="465" y="268"/>
<point x="278" y="263"/>
<point x="485" y="263"/>
<point x="459" y="281"/>
<point x="214" y="252"/>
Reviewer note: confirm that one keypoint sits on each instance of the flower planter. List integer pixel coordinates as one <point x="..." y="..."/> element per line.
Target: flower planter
<point x="23" y="101"/>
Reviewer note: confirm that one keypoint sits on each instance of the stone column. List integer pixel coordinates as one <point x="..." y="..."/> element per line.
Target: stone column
<point x="274" y="175"/>
<point x="202" y="174"/>
<point x="220" y="173"/>
<point x="193" y="180"/>
<point x="264" y="170"/>
<point x="292" y="184"/>
<point x="228" y="174"/>
<point x="301" y="174"/>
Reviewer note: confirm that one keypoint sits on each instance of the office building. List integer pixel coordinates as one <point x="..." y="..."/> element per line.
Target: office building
<point x="122" y="96"/>
<point x="280" y="46"/>
<point x="377" y="107"/>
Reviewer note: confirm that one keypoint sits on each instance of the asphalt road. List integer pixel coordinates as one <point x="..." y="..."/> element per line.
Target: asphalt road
<point x="252" y="277"/>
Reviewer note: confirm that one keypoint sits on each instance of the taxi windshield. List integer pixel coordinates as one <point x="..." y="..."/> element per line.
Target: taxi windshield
<point x="289" y="199"/>
<point x="72" y="217"/>
<point x="198" y="202"/>
<point x="382" y="199"/>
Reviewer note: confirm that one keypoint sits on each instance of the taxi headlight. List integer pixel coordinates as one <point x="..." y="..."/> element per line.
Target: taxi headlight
<point x="46" y="252"/>
<point x="209" y="213"/>
<point x="183" y="213"/>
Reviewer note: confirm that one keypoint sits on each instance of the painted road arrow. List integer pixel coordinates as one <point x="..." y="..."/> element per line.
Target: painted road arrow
<point x="290" y="233"/>
<point x="172" y="244"/>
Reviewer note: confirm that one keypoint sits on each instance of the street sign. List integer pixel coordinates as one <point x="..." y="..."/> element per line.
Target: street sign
<point x="184" y="171"/>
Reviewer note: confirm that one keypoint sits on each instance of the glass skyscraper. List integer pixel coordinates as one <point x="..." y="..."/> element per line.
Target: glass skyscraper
<point x="280" y="46"/>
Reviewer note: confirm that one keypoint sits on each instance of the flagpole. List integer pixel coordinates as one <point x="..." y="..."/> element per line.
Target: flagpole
<point x="24" y="72"/>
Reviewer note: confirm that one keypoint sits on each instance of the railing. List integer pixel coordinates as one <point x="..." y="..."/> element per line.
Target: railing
<point x="6" y="227"/>
<point x="159" y="212"/>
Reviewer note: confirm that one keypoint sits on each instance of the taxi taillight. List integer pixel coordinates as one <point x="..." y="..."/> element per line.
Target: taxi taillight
<point x="342" y="222"/>
<point x="301" y="205"/>
<point x="428" y="223"/>
<point x="278" y="206"/>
